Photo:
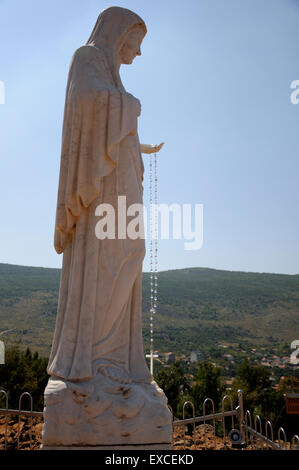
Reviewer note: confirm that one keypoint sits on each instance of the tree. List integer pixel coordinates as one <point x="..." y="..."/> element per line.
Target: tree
<point x="259" y="396"/>
<point x="22" y="372"/>
<point x="253" y="377"/>
<point x="288" y="385"/>
<point x="174" y="383"/>
<point x="207" y="385"/>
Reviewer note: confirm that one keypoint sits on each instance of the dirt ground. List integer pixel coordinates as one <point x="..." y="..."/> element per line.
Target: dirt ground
<point x="202" y="438"/>
<point x="13" y="427"/>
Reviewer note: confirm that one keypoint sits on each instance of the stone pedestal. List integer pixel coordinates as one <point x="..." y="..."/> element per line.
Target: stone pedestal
<point x="104" y="414"/>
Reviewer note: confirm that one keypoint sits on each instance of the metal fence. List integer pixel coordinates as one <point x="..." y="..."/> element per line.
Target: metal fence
<point x="6" y="412"/>
<point x="204" y="435"/>
<point x="252" y="434"/>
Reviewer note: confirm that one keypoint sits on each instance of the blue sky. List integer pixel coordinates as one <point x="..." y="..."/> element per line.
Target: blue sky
<point x="214" y="82"/>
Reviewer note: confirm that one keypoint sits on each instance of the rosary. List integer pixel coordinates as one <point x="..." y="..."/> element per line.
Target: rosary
<point x="153" y="249"/>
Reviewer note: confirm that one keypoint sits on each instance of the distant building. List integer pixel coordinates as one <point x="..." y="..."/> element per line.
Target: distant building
<point x="230" y="357"/>
<point x="196" y="356"/>
<point x="266" y="364"/>
<point x="228" y="384"/>
<point x="170" y="357"/>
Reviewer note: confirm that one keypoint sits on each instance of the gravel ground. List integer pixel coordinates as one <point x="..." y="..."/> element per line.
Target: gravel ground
<point x="200" y="439"/>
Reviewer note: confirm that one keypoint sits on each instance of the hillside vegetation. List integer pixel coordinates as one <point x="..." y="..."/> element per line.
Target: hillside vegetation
<point x="198" y="308"/>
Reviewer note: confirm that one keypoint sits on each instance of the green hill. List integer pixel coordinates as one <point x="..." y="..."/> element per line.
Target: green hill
<point x="198" y="308"/>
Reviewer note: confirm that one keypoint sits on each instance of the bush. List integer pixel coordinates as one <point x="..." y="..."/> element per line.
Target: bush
<point x="23" y="371"/>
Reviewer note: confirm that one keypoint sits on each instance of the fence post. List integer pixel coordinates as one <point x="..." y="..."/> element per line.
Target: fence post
<point x="241" y="413"/>
<point x="193" y="410"/>
<point x="31" y="408"/>
<point x="6" y="417"/>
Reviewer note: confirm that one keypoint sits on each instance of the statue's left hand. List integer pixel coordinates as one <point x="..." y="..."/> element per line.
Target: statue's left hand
<point x="151" y="148"/>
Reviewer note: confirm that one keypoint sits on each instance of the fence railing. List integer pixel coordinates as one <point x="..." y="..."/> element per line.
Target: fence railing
<point x="251" y="431"/>
<point x="6" y="412"/>
<point x="253" y="434"/>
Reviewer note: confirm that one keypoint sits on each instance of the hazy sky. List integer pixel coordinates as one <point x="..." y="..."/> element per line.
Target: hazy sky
<point x="214" y="82"/>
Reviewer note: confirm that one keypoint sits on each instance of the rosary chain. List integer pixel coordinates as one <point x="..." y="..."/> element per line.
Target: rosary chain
<point x="153" y="247"/>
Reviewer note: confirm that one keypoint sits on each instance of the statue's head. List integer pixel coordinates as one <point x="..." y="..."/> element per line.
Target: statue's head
<point x="119" y="32"/>
<point x="131" y="44"/>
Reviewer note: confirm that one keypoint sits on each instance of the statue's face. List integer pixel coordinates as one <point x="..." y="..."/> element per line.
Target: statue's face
<point x="131" y="47"/>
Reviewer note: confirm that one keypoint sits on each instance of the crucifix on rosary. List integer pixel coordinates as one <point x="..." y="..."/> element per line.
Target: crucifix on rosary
<point x="153" y="248"/>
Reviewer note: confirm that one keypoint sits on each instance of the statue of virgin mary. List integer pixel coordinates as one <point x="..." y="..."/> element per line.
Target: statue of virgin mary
<point x="100" y="391"/>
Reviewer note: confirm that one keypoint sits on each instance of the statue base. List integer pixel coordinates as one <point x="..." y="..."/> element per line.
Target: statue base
<point x="105" y="414"/>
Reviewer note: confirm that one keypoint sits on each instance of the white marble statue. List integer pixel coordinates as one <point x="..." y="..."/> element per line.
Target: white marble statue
<point x="100" y="392"/>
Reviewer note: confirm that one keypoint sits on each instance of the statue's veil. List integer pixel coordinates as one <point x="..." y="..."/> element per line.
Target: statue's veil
<point x="109" y="32"/>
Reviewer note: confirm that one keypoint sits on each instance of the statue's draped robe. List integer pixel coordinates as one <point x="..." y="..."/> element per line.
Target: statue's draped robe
<point x="98" y="326"/>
